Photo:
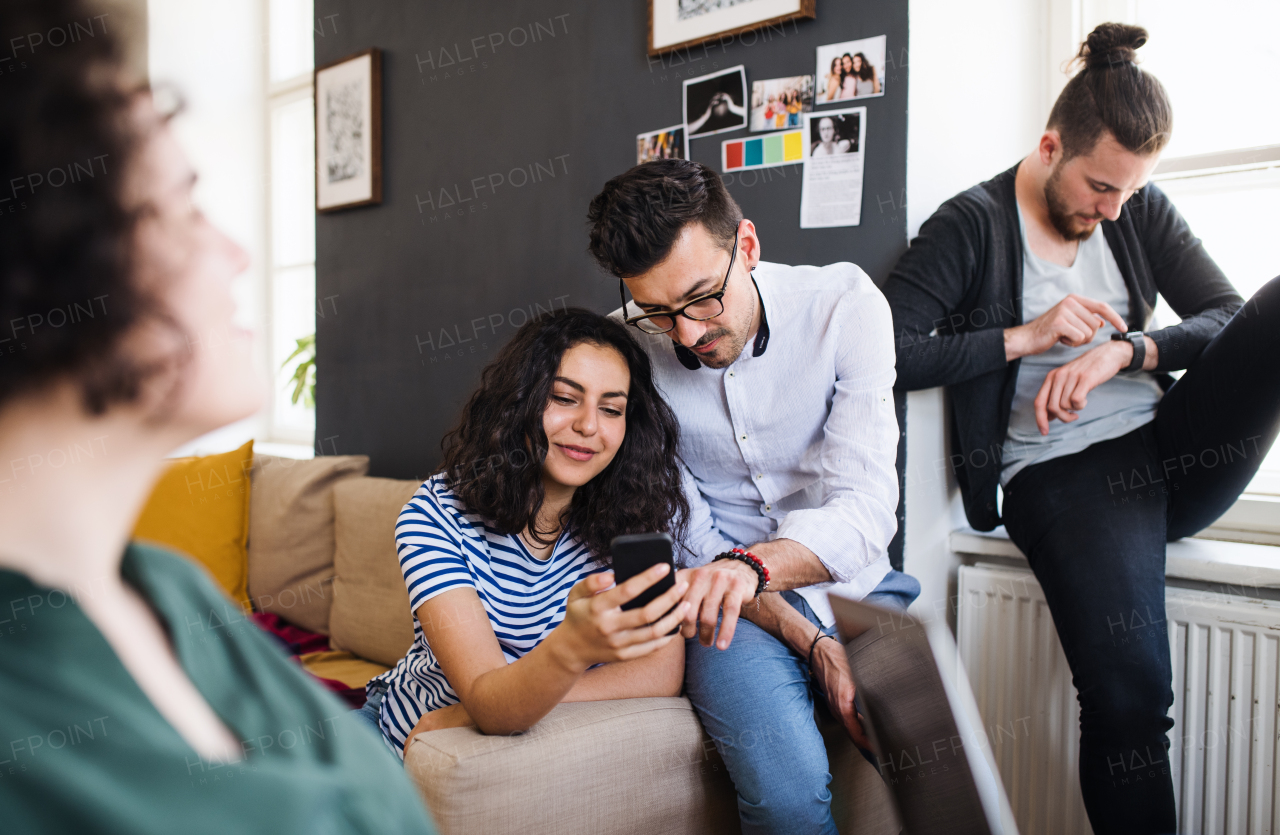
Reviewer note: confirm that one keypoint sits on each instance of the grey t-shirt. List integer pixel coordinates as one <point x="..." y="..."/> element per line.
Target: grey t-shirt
<point x="1115" y="408"/>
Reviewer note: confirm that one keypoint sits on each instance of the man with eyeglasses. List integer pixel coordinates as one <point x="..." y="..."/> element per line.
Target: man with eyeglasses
<point x="782" y="380"/>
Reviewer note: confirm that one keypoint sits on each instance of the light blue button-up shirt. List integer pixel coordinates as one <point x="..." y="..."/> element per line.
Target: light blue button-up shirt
<point x="801" y="441"/>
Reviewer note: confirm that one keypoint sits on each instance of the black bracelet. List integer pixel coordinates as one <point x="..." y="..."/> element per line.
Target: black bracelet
<point x="756" y="565"/>
<point x="817" y="638"/>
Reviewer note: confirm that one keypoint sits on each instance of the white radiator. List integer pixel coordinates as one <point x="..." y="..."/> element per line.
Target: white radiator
<point x="1226" y="684"/>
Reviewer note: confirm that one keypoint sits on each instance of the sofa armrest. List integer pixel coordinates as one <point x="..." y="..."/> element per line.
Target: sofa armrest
<point x="630" y="765"/>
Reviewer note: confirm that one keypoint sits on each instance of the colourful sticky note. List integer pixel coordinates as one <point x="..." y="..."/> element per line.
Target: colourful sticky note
<point x="733" y="155"/>
<point x="794" y="147"/>
<point x="754" y="151"/>
<point x="773" y="148"/>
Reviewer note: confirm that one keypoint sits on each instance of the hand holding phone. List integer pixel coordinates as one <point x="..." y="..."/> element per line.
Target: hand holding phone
<point x="597" y="630"/>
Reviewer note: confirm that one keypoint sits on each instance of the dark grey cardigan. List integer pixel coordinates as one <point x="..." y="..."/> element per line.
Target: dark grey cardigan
<point x="959" y="286"/>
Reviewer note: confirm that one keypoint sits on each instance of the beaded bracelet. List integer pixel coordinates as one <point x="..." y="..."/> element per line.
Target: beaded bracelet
<point x="742" y="555"/>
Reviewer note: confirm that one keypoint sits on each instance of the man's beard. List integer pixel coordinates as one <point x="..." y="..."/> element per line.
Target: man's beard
<point x="729" y="349"/>
<point x="1059" y="215"/>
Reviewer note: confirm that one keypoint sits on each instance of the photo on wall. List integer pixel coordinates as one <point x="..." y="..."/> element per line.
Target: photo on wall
<point x="835" y="147"/>
<point x="348" y="114"/>
<point x="667" y="143"/>
<point x="715" y="103"/>
<point x="851" y="70"/>
<point x="835" y="132"/>
<point x="776" y="103"/>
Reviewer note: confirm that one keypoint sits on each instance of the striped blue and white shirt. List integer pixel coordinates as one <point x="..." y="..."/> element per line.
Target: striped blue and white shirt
<point x="443" y="546"/>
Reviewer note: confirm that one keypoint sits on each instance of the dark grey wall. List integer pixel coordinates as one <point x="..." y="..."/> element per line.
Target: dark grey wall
<point x="417" y="296"/>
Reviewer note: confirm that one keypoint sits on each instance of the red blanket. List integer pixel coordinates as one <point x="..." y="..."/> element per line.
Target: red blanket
<point x="298" y="641"/>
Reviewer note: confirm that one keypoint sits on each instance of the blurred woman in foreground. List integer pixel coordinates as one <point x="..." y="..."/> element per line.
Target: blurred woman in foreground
<point x="125" y="708"/>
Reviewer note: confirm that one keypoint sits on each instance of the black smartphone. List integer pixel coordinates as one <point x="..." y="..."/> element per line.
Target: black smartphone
<point x="633" y="554"/>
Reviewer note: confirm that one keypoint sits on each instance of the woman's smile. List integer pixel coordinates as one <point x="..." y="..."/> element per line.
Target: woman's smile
<point x="577" y="453"/>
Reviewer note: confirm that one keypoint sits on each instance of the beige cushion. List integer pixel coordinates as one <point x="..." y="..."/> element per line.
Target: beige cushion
<point x="624" y="766"/>
<point x="631" y="765"/>
<point x="291" y="541"/>
<point x="370" y="614"/>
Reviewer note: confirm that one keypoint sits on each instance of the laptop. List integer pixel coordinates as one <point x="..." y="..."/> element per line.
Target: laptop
<point x="917" y="707"/>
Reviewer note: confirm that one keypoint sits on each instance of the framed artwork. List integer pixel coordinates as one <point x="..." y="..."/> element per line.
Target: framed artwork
<point x="678" y="24"/>
<point x="348" y="102"/>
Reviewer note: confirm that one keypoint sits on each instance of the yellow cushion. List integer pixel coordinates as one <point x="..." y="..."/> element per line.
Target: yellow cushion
<point x="200" y="507"/>
<point x="350" y="669"/>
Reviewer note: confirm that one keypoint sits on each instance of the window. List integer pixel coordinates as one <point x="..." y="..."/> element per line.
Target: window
<point x="291" y="244"/>
<point x="1236" y="214"/>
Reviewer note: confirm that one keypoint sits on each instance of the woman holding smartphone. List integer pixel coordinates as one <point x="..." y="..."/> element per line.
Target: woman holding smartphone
<point x="565" y="445"/>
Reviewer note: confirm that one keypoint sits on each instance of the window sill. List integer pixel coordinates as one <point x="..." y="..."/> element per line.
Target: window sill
<point x="283" y="449"/>
<point x="1196" y="558"/>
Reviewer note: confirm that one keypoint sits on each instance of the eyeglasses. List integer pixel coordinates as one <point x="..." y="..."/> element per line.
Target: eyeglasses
<point x="699" y="310"/>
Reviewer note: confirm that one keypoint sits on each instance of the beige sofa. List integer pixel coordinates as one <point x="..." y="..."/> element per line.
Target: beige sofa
<point x="322" y="555"/>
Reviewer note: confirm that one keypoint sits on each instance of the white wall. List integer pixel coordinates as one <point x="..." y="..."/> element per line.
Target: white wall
<point x="979" y="96"/>
<point x="214" y="54"/>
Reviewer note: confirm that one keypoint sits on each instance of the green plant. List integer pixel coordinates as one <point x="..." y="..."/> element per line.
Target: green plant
<point x="303" y="379"/>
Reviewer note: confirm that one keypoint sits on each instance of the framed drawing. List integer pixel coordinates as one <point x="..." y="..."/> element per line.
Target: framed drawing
<point x="348" y="102"/>
<point x="678" y="24"/>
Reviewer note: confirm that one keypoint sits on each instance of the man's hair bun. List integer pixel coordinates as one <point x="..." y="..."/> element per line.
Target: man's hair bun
<point x="1111" y="44"/>
<point x="1112" y="94"/>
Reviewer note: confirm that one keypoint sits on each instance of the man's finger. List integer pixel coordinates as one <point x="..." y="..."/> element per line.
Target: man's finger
<point x="1055" y="393"/>
<point x="697" y="590"/>
<point x="1079" y="397"/>
<point x="1042" y="399"/>
<point x="858" y="735"/>
<point x="1063" y="400"/>
<point x="730" y="609"/>
<point x="1081" y="327"/>
<point x="711" y="609"/>
<point x="1107" y="312"/>
<point x="1061" y="377"/>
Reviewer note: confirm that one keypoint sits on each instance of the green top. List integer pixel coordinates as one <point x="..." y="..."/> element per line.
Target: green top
<point x="82" y="748"/>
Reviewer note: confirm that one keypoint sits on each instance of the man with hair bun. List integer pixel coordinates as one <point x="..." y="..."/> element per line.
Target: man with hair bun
<point x="1041" y="330"/>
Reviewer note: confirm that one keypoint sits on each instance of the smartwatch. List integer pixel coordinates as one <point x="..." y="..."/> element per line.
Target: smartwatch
<point x="1134" y="338"/>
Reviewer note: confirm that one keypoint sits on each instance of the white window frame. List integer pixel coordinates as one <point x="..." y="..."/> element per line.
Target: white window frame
<point x="1255" y="517"/>
<point x="278" y="93"/>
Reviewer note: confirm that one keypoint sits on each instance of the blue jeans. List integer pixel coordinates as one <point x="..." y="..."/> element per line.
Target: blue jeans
<point x="370" y="713"/>
<point x="756" y="701"/>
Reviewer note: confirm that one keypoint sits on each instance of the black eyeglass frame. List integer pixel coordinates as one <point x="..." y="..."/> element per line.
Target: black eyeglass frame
<point x="635" y="321"/>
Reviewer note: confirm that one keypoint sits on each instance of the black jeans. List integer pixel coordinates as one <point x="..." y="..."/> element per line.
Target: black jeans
<point x="1094" y="526"/>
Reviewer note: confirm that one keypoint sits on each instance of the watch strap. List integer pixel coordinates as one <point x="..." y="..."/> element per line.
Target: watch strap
<point x="1138" y="341"/>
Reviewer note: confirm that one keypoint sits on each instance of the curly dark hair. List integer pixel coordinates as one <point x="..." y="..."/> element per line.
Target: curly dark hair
<point x="493" y="457"/>
<point x="865" y="71"/>
<point x="1111" y="93"/>
<point x="637" y="216"/>
<point x="67" y="293"/>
